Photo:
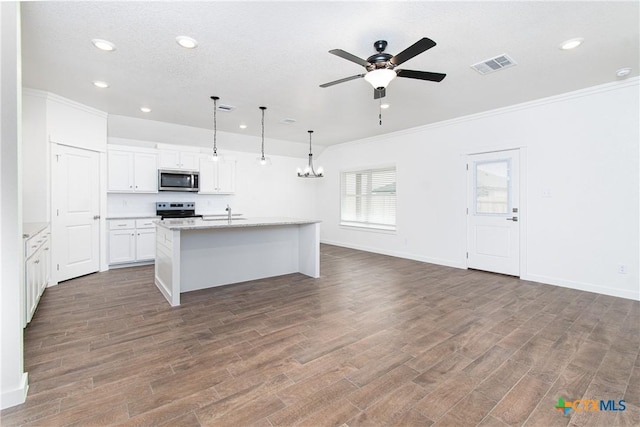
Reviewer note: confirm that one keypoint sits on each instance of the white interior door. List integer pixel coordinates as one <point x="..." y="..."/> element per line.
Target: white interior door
<point x="76" y="209"/>
<point x="493" y="227"/>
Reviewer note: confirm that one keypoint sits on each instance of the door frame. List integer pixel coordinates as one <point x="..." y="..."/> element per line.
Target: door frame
<point x="523" y="208"/>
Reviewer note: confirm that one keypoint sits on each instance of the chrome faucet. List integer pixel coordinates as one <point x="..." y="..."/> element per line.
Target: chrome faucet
<point x="228" y="209"/>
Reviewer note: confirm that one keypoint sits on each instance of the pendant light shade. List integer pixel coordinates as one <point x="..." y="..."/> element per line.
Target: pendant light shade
<point x="262" y="160"/>
<point x="309" y="171"/>
<point x="215" y="129"/>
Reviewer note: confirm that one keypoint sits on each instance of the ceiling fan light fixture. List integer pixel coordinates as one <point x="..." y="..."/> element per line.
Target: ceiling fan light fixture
<point x="380" y="77"/>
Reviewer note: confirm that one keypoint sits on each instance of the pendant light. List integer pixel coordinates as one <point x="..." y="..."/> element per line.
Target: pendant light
<point x="309" y="171"/>
<point x="262" y="160"/>
<point x="215" y="128"/>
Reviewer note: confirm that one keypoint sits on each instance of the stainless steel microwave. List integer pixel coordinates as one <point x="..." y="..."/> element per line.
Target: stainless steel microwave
<point x="174" y="180"/>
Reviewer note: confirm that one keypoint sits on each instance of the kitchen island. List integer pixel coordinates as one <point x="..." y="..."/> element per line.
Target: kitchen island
<point x="195" y="253"/>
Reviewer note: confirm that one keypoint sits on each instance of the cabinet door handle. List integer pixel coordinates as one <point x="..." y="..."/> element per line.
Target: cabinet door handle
<point x="96" y="217"/>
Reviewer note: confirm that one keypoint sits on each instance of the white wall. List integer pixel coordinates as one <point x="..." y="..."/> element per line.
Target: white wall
<point x="581" y="148"/>
<point x="35" y="159"/>
<point x="260" y="191"/>
<point x="13" y="379"/>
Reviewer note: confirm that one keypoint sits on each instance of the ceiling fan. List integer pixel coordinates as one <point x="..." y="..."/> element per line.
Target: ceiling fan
<point x="381" y="66"/>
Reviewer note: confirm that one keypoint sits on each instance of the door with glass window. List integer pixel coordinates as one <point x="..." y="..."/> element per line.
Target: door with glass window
<point x="493" y="217"/>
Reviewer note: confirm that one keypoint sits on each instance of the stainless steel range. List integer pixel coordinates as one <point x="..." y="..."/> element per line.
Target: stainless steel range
<point x="176" y="210"/>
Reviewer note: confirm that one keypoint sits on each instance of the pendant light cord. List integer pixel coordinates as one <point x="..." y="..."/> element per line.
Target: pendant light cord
<point x="263" y="108"/>
<point x="311" y="155"/>
<point x="215" y="125"/>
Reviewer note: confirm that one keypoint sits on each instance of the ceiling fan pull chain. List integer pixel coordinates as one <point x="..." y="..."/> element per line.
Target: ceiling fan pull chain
<point x="380" y="113"/>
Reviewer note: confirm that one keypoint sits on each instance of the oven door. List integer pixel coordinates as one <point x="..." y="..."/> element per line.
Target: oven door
<point x="177" y="181"/>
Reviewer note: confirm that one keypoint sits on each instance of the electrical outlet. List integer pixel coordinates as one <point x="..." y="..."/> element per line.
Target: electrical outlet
<point x="622" y="269"/>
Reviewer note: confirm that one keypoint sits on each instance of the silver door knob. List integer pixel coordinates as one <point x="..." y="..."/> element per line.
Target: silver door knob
<point x="515" y="219"/>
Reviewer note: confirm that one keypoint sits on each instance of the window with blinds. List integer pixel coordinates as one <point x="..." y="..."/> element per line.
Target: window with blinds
<point x="368" y="198"/>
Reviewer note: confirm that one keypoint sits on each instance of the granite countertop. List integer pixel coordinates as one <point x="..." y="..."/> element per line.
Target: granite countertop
<point x="29" y="229"/>
<point x="201" y="224"/>
<point x="132" y="216"/>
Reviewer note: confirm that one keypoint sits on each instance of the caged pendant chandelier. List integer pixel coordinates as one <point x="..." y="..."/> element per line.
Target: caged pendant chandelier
<point x="215" y="157"/>
<point x="309" y="171"/>
<point x="262" y="160"/>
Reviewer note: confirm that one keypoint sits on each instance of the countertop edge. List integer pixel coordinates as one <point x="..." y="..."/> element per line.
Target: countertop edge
<point x="199" y="224"/>
<point x="132" y="217"/>
<point x="30" y="229"/>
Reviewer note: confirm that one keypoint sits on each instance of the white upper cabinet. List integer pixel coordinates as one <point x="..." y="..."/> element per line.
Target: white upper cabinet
<point x="171" y="157"/>
<point x="131" y="171"/>
<point x="217" y="177"/>
<point x="145" y="172"/>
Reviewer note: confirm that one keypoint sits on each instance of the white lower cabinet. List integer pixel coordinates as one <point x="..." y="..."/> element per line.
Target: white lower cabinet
<point x="145" y="243"/>
<point x="131" y="240"/>
<point x="36" y="271"/>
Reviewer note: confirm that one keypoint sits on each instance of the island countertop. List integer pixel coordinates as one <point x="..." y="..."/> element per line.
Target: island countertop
<point x="199" y="223"/>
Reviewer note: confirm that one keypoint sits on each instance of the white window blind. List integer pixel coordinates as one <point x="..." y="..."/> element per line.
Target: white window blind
<point x="368" y="198"/>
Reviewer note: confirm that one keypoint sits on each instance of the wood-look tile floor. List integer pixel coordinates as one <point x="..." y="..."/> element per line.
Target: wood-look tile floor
<point x="376" y="340"/>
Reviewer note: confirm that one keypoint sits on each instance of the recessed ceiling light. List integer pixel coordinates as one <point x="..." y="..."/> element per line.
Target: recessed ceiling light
<point x="384" y="106"/>
<point x="186" y="42"/>
<point x="571" y="43"/>
<point x="145" y="109"/>
<point x="100" y="84"/>
<point x="623" y="72"/>
<point x="243" y="126"/>
<point x="103" y="45"/>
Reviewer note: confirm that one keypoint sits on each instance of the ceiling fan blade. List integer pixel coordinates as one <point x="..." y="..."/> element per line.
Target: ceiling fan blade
<point x="379" y="93"/>
<point x="421" y="75"/>
<point x="346" y="79"/>
<point x="415" y="49"/>
<point x="349" y="57"/>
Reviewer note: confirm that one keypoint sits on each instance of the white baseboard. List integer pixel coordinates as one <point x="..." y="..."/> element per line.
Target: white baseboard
<point x="405" y="255"/>
<point x="588" y="287"/>
<point x="581" y="286"/>
<point x="15" y="396"/>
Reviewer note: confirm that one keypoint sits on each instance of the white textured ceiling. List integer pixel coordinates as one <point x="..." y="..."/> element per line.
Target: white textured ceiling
<point x="276" y="54"/>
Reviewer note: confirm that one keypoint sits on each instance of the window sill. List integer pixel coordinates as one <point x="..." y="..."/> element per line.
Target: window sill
<point x="372" y="228"/>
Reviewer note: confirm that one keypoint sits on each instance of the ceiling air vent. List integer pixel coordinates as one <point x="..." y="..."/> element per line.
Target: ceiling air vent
<point x="494" y="64"/>
<point x="227" y="108"/>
